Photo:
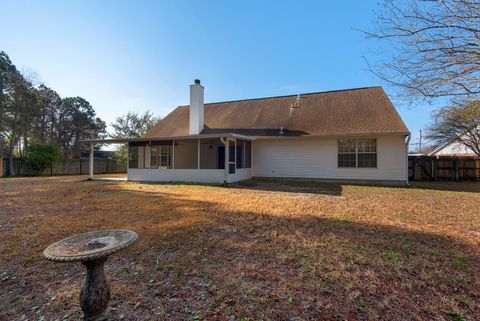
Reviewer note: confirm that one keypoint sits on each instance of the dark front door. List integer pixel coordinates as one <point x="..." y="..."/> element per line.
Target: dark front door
<point x="221" y="157"/>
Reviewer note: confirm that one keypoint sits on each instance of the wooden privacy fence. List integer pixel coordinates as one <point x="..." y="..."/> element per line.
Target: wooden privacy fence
<point x="67" y="167"/>
<point x="443" y="168"/>
<point x="2" y="170"/>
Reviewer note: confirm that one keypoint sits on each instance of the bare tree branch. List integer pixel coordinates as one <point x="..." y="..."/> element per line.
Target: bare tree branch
<point x="459" y="122"/>
<point x="436" y="47"/>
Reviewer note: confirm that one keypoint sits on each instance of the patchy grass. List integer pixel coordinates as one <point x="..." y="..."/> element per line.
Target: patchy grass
<point x="260" y="250"/>
<point x="394" y="256"/>
<point x="460" y="262"/>
<point x="433" y="252"/>
<point x="457" y="317"/>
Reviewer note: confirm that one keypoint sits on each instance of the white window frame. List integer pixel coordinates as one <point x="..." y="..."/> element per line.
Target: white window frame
<point x="357" y="152"/>
<point x="343" y="153"/>
<point x="161" y="151"/>
<point x="364" y="153"/>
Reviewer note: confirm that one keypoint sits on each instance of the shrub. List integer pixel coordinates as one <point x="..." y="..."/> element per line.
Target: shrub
<point x="40" y="156"/>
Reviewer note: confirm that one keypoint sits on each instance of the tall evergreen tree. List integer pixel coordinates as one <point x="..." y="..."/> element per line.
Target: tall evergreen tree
<point x="39" y="115"/>
<point x="77" y="121"/>
<point x="48" y="104"/>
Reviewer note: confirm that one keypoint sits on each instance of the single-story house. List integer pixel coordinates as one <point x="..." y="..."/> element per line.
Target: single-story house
<point x="342" y="135"/>
<point x="453" y="148"/>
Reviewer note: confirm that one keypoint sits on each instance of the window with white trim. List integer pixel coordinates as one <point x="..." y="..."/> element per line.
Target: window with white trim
<point x="161" y="156"/>
<point x="357" y="153"/>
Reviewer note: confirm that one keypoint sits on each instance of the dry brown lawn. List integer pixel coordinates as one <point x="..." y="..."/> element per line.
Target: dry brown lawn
<point x="263" y="250"/>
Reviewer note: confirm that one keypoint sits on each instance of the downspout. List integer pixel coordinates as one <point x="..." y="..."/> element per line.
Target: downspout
<point x="407" y="142"/>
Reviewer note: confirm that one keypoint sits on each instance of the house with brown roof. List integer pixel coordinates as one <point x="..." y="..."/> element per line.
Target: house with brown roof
<point x="344" y="135"/>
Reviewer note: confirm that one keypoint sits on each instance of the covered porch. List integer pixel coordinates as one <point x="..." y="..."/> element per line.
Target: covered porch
<point x="221" y="158"/>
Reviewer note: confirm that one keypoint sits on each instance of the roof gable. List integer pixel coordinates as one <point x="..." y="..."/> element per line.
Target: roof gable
<point x="343" y="112"/>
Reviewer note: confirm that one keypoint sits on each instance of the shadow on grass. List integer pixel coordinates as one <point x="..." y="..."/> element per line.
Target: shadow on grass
<point x="317" y="187"/>
<point x="220" y="261"/>
<point x="259" y="264"/>
<point x="464" y="186"/>
<point x="265" y="184"/>
<point x="291" y="186"/>
<point x="202" y="260"/>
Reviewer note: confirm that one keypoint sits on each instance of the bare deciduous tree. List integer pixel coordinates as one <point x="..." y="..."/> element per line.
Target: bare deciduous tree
<point x="460" y="123"/>
<point x="436" y="47"/>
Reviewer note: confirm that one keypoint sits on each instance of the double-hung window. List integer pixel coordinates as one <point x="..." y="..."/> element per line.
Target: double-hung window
<point x="357" y="153"/>
<point x="161" y="156"/>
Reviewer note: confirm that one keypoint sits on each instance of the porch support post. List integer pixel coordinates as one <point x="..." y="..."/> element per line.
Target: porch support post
<point x="226" y="159"/>
<point x="198" y="151"/>
<point x="235" y="155"/>
<point x="90" y="167"/>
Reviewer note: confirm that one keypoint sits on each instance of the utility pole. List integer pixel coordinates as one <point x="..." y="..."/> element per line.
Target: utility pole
<point x="419" y="144"/>
<point x="420" y="141"/>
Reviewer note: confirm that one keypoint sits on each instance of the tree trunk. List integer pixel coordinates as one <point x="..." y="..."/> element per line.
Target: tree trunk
<point x="25" y="146"/>
<point x="42" y="131"/>
<point x="10" y="158"/>
<point x="19" y="147"/>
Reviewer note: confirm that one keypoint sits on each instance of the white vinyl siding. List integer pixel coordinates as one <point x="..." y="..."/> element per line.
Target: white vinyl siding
<point x="313" y="157"/>
<point x="455" y="148"/>
<point x="176" y="175"/>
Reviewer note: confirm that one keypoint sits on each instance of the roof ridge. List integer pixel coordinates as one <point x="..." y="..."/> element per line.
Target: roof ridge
<point x="284" y="96"/>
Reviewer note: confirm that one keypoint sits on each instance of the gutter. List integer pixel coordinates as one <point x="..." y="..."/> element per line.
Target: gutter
<point x="148" y="139"/>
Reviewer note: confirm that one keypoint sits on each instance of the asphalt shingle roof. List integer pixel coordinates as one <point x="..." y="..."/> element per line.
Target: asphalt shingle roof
<point x="333" y="113"/>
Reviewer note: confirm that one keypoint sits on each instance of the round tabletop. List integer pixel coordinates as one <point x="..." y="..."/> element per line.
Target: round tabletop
<point x="90" y="246"/>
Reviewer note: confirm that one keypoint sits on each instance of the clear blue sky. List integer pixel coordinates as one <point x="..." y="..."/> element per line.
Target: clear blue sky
<point x="138" y="55"/>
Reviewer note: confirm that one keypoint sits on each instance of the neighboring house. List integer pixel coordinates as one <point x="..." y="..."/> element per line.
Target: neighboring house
<point x="453" y="148"/>
<point x="346" y="135"/>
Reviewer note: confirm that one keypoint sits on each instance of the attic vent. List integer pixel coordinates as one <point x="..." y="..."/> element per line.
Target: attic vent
<point x="296" y="104"/>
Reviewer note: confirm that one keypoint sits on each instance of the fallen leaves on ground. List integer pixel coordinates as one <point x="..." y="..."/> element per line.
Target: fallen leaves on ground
<point x="260" y="250"/>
